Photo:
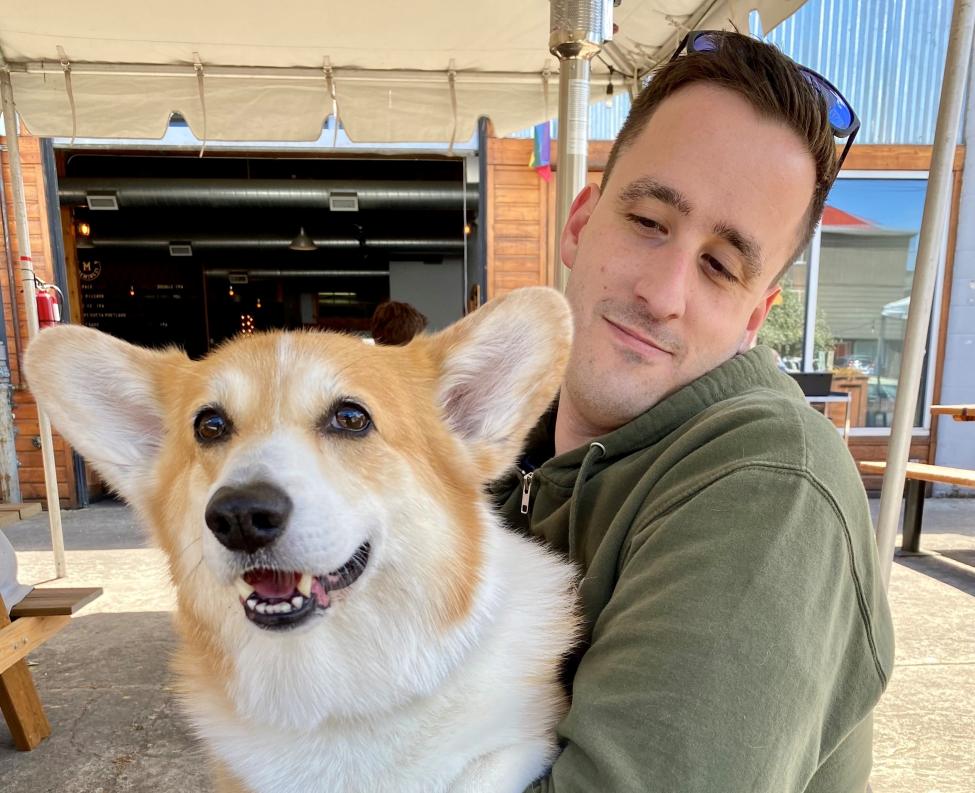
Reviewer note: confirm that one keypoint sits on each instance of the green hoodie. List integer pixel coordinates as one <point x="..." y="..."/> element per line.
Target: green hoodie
<point x="737" y="634"/>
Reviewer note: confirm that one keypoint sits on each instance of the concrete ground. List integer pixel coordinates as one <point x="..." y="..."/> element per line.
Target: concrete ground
<point x="116" y="726"/>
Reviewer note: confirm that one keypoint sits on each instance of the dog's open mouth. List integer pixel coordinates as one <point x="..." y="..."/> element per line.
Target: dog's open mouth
<point x="285" y="598"/>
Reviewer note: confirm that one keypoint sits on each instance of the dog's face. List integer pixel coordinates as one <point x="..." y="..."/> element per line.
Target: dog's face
<point x="320" y="500"/>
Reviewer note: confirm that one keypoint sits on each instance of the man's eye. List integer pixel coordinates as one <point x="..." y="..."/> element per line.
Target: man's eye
<point x="646" y="223"/>
<point x="349" y="417"/>
<point x="211" y="425"/>
<point x="719" y="269"/>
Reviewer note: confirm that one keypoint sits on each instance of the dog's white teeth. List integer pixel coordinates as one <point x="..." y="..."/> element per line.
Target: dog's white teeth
<point x="297" y="602"/>
<point x="304" y="585"/>
<point x="252" y="602"/>
<point x="244" y="589"/>
<point x="262" y="608"/>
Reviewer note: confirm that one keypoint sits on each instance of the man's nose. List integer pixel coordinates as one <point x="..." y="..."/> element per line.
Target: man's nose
<point x="665" y="284"/>
<point x="248" y="517"/>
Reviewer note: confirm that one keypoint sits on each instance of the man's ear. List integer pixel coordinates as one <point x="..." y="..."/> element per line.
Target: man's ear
<point x="499" y="369"/>
<point x="758" y="316"/>
<point x="579" y="213"/>
<point x="103" y="395"/>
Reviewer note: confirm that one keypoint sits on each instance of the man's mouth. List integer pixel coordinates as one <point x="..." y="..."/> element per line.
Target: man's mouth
<point x="637" y="340"/>
<point x="276" y="599"/>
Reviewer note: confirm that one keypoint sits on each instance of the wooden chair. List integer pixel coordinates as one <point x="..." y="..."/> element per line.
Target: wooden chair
<point x="32" y="622"/>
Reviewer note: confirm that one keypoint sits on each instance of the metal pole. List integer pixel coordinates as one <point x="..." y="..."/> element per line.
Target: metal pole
<point x="27" y="278"/>
<point x="936" y="208"/>
<point x="573" y="161"/>
<point x="578" y="30"/>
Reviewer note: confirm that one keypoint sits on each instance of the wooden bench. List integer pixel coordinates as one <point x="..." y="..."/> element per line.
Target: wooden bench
<point x="32" y="622"/>
<point x="917" y="474"/>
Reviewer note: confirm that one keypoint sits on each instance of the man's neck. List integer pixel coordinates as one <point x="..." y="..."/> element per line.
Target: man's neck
<point x="571" y="428"/>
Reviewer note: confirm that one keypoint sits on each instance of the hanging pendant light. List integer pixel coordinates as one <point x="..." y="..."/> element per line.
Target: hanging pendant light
<point x="303" y="242"/>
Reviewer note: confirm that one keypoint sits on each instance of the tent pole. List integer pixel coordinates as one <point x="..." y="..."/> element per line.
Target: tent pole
<point x="936" y="209"/>
<point x="579" y="28"/>
<point x="27" y="278"/>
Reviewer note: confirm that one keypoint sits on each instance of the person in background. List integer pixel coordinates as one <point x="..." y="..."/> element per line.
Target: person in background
<point x="395" y="323"/>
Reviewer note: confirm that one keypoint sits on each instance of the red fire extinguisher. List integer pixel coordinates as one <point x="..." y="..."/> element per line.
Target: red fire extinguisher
<point x="49" y="299"/>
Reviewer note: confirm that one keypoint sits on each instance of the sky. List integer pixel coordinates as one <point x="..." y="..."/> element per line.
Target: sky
<point x="891" y="203"/>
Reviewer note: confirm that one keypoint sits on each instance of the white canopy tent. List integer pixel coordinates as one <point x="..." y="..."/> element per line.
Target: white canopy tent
<point x="421" y="71"/>
<point x="268" y="71"/>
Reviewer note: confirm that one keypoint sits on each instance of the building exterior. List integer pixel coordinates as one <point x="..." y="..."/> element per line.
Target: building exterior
<point x="851" y="288"/>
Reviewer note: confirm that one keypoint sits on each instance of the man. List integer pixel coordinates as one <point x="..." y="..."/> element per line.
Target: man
<point x="737" y="632"/>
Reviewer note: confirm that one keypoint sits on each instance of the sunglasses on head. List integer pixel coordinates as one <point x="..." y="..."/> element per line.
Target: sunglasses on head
<point x="842" y="119"/>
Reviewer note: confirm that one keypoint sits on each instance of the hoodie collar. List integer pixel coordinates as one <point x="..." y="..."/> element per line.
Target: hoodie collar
<point x="755" y="369"/>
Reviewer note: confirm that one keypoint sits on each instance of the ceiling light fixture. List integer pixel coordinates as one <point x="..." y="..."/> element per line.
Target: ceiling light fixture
<point x="303" y="242"/>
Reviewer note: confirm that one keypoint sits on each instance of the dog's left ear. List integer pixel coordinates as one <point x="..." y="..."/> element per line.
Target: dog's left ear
<point x="500" y="368"/>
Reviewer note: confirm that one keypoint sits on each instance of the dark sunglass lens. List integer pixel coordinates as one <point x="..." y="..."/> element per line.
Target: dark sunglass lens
<point x="840" y="115"/>
<point x="706" y="42"/>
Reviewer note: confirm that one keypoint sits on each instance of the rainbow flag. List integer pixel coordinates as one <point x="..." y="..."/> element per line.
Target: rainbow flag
<point x="541" y="159"/>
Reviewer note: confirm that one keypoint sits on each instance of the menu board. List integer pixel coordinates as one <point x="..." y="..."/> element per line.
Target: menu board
<point x="152" y="304"/>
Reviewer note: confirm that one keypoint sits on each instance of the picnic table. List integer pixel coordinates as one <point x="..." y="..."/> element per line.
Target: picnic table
<point x="919" y="474"/>
<point x="957" y="412"/>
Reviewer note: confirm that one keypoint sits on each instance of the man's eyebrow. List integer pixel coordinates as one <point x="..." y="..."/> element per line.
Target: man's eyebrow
<point x="651" y="188"/>
<point x="746" y="245"/>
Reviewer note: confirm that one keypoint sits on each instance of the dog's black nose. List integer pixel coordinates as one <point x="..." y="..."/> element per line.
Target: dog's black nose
<point x="248" y="517"/>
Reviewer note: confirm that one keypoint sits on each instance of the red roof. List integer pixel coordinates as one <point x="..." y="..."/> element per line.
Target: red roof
<point x="837" y="217"/>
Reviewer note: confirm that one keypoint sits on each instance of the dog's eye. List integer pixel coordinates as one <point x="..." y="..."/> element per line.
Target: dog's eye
<point x="211" y="425"/>
<point x="349" y="417"/>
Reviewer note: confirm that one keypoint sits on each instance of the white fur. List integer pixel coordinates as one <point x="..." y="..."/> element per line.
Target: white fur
<point x="381" y="692"/>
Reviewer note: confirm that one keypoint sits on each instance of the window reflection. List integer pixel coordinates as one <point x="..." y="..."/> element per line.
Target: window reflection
<point x="862" y="269"/>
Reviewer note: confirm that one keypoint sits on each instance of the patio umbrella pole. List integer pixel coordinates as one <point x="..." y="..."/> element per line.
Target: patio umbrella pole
<point x="27" y="277"/>
<point x="936" y="208"/>
<point x="579" y="28"/>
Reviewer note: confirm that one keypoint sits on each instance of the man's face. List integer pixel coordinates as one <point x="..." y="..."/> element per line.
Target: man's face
<point x="672" y="266"/>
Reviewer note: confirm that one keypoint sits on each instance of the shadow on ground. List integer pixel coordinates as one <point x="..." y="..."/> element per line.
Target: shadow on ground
<point x="954" y="568"/>
<point x="104" y="526"/>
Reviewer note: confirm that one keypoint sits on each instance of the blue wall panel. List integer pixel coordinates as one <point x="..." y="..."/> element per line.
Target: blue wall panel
<point x="886" y="56"/>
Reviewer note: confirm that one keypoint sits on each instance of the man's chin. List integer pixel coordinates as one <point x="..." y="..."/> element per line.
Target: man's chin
<point x="607" y="403"/>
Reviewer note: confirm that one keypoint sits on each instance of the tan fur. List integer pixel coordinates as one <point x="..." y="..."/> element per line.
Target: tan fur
<point x="449" y="411"/>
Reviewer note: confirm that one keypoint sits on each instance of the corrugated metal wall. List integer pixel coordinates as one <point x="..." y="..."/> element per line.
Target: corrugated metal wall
<point x="886" y="56"/>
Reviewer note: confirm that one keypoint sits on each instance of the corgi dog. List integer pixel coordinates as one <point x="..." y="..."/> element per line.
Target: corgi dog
<point x="352" y="614"/>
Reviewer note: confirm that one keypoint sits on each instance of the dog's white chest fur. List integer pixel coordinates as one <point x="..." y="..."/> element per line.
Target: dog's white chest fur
<point x="486" y="728"/>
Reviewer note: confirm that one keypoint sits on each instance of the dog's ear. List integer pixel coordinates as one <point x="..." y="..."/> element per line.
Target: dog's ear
<point x="102" y="394"/>
<point x="500" y="368"/>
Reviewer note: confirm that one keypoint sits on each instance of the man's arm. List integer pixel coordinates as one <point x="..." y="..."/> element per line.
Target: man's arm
<point x="734" y="654"/>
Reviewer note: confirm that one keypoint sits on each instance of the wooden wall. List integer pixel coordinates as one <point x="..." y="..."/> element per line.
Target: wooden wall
<point x="25" y="410"/>
<point x="521" y="249"/>
<point x="518" y="252"/>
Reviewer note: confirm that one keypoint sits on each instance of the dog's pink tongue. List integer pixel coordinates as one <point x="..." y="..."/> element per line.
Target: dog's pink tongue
<point x="319" y="593"/>
<point x="272" y="583"/>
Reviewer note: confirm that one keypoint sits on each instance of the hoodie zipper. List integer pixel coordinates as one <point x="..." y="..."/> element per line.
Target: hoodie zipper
<point x="526" y="491"/>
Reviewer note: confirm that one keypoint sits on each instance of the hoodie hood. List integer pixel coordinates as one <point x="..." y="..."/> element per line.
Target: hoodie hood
<point x="757" y="368"/>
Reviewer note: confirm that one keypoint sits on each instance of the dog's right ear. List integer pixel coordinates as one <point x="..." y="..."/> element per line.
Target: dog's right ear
<point x="500" y="367"/>
<point x="102" y="394"/>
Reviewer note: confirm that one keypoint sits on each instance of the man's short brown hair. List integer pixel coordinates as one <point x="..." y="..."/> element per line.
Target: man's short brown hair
<point x="396" y="323"/>
<point x="774" y="86"/>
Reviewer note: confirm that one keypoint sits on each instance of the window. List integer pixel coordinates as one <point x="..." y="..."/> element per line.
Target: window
<point x="844" y="303"/>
